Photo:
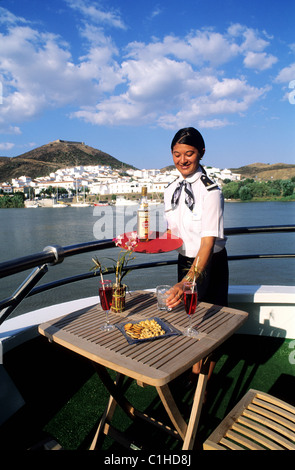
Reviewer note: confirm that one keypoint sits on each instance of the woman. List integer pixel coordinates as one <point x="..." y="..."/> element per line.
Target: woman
<point x="194" y="212"/>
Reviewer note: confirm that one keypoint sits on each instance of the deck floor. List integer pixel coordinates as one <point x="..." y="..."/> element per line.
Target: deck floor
<point x="264" y="365"/>
<point x="67" y="405"/>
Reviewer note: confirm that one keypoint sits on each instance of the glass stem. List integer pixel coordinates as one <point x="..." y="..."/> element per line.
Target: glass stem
<point x="189" y="322"/>
<point x="107" y="317"/>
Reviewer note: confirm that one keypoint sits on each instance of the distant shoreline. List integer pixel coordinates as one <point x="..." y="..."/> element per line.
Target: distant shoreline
<point x="265" y="199"/>
<point x="282" y="199"/>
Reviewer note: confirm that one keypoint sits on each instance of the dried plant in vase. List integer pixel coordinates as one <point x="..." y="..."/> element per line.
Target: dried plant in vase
<point x="124" y="257"/>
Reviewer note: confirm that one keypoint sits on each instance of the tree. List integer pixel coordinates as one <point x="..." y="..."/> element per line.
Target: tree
<point x="16" y="200"/>
<point x="273" y="191"/>
<point x="245" y="193"/>
<point x="259" y="189"/>
<point x="247" y="181"/>
<point x="287" y="187"/>
<point x="231" y="190"/>
<point x="50" y="191"/>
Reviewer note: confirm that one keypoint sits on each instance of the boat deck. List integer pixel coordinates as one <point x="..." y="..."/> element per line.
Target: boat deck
<point x="68" y="398"/>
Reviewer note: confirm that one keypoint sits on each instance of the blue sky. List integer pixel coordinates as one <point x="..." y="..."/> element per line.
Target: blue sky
<point x="124" y="75"/>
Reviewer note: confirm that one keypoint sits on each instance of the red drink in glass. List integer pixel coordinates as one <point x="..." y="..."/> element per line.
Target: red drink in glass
<point x="190" y="298"/>
<point x="190" y="302"/>
<point x="105" y="295"/>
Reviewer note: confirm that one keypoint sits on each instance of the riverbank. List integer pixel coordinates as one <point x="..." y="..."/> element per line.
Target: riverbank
<point x="266" y="199"/>
<point x="92" y="201"/>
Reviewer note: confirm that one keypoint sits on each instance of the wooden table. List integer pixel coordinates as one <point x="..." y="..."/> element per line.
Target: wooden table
<point x="154" y="363"/>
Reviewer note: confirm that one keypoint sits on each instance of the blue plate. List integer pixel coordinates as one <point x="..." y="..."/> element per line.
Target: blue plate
<point x="169" y="330"/>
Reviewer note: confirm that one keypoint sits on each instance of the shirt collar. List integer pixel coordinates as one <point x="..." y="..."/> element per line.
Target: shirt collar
<point x="192" y="178"/>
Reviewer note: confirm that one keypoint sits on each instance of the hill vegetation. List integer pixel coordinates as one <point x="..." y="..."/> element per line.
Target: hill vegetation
<point x="50" y="157"/>
<point x="264" y="171"/>
<point x="261" y="171"/>
<point x="249" y="189"/>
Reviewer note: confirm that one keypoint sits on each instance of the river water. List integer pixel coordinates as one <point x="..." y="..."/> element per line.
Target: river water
<point x="27" y="231"/>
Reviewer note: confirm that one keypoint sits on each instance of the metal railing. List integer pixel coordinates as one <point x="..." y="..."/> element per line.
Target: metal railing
<point x="52" y="255"/>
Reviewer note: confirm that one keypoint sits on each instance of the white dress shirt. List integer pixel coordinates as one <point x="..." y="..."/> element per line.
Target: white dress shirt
<point x="206" y="219"/>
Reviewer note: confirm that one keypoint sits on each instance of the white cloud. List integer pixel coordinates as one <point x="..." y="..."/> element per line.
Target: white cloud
<point x="252" y="41"/>
<point x="198" y="47"/>
<point x="163" y="82"/>
<point x="212" y="47"/>
<point x="213" y="123"/>
<point x="156" y="79"/>
<point x="38" y="73"/>
<point x="6" y="145"/>
<point x="259" y="60"/>
<point x="286" y="74"/>
<point x="117" y="110"/>
<point x="156" y="11"/>
<point x="6" y="17"/>
<point x="6" y="128"/>
<point x="91" y="11"/>
<point x="229" y="87"/>
<point x="252" y="46"/>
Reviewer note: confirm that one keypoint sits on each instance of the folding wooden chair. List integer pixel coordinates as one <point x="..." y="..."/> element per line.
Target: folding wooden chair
<point x="258" y="422"/>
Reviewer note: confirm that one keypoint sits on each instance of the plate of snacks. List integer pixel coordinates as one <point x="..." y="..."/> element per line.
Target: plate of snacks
<point x="146" y="330"/>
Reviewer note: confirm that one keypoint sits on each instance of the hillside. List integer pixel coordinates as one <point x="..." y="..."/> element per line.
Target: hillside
<point x="61" y="154"/>
<point x="50" y="157"/>
<point x="265" y="171"/>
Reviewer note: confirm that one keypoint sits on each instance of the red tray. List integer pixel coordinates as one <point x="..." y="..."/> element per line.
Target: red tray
<point x="159" y="242"/>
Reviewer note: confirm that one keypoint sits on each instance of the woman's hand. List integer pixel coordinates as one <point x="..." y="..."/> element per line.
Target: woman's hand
<point x="203" y="256"/>
<point x="175" y="297"/>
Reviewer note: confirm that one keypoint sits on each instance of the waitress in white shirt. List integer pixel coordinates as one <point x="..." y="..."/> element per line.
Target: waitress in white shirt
<point x="194" y="212"/>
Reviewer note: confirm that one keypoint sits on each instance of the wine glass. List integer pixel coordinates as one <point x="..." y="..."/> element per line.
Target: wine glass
<point x="106" y="294"/>
<point x="190" y="298"/>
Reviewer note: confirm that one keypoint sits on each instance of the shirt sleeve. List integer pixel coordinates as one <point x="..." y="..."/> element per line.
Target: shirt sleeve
<point x="212" y="215"/>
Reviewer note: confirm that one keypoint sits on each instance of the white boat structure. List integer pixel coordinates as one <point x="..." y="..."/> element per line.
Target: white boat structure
<point x="59" y="205"/>
<point x="122" y="201"/>
<point x="271" y="315"/>
<point x="80" y="204"/>
<point x="56" y="203"/>
<point x="101" y="203"/>
<point x="31" y="205"/>
<point x="154" y="202"/>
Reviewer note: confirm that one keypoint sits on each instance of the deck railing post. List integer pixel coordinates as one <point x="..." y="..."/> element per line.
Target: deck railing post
<point x="23" y="290"/>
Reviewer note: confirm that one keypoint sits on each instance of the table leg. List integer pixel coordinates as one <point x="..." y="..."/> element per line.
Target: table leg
<point x="117" y="390"/>
<point x="197" y="406"/>
<point x="187" y="432"/>
<point x="107" y="415"/>
<point x="172" y="410"/>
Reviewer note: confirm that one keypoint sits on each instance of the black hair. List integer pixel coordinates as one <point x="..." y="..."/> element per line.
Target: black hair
<point x="189" y="136"/>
